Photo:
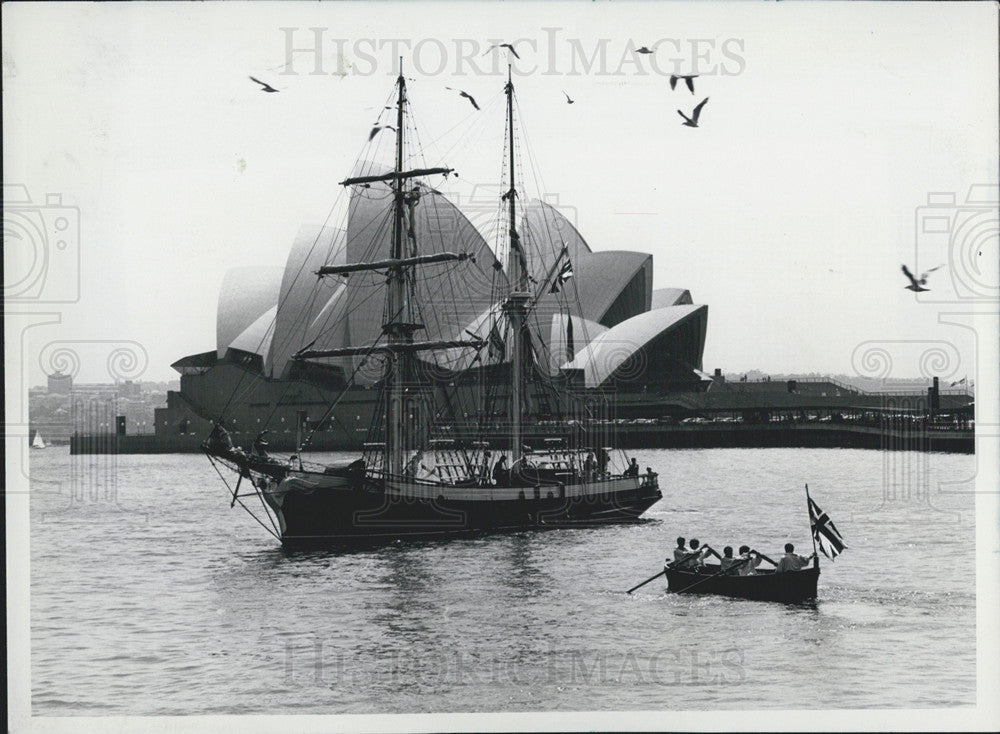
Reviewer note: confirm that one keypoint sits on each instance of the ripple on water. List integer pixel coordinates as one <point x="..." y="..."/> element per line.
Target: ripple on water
<point x="167" y="602"/>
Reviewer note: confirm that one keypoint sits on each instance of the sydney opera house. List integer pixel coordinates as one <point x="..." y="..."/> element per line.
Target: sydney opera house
<point x="617" y="335"/>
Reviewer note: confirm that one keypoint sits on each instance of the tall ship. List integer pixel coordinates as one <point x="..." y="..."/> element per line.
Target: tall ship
<point x="446" y="449"/>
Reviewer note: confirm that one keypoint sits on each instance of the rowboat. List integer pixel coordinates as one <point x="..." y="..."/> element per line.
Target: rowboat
<point x="790" y="586"/>
<point x="764" y="584"/>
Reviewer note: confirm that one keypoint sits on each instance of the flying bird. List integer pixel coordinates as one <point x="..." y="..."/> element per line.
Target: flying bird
<point x="502" y="45"/>
<point x="689" y="80"/>
<point x="693" y="120"/>
<point x="918" y="285"/>
<point x="466" y="95"/>
<point x="265" y="87"/>
<point x="377" y="129"/>
<point x="568" y="100"/>
<point x="643" y="50"/>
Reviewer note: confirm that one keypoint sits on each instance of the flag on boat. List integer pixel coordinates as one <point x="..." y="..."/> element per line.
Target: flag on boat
<point x="564" y="274"/>
<point x="825" y="532"/>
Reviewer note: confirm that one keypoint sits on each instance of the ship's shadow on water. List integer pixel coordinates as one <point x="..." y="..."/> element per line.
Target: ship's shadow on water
<point x="323" y="547"/>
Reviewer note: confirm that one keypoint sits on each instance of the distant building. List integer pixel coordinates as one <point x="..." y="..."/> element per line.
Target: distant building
<point x="129" y="389"/>
<point x="618" y="334"/>
<point x="60" y="384"/>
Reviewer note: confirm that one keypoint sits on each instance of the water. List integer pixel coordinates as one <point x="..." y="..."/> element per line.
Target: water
<point x="150" y="596"/>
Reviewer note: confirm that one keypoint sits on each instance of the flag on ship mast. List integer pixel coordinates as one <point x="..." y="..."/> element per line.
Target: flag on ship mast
<point x="825" y="532"/>
<point x="564" y="274"/>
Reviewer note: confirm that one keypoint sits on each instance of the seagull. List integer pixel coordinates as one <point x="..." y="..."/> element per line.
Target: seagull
<point x="265" y="86"/>
<point x="502" y="45"/>
<point x="689" y="80"/>
<point x="464" y="94"/>
<point x="918" y="285"/>
<point x="643" y="50"/>
<point x="693" y="120"/>
<point x="377" y="129"/>
<point x="568" y="100"/>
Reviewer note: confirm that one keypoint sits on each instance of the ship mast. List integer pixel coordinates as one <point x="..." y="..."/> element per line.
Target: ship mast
<point x="397" y="327"/>
<point x="515" y="305"/>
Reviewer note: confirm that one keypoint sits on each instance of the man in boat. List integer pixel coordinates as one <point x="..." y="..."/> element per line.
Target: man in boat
<point x="752" y="560"/>
<point x="727" y="561"/>
<point x="690" y="560"/>
<point x="701" y="553"/>
<point x="633" y="468"/>
<point x="589" y="466"/>
<point x="681" y="552"/>
<point x="791" y="561"/>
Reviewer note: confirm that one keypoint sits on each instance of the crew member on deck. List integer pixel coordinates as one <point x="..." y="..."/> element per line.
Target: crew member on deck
<point x="413" y="465"/>
<point x="633" y="468"/>
<point x="791" y="561"/>
<point x="260" y="445"/>
<point x="484" y="473"/>
<point x="501" y="475"/>
<point x="589" y="466"/>
<point x="602" y="460"/>
<point x="219" y="438"/>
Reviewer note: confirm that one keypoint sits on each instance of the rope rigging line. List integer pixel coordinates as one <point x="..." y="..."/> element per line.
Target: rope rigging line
<point x="272" y="326"/>
<point x="237" y="499"/>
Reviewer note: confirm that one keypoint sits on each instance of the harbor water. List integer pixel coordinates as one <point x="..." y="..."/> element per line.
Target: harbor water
<point x="149" y="595"/>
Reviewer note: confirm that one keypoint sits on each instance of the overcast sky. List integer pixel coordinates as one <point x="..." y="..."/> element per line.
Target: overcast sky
<point x="789" y="211"/>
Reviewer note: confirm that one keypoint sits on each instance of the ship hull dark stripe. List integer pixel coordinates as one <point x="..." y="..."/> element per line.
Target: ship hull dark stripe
<point x="332" y="516"/>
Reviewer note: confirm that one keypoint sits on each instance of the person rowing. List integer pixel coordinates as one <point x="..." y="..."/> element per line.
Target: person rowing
<point x="689" y="560"/>
<point x="751" y="560"/>
<point x="683" y="557"/>
<point x="680" y="552"/>
<point x="791" y="561"/>
<point x="727" y="561"/>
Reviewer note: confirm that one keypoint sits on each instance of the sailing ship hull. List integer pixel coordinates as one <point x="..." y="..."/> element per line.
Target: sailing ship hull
<point x="343" y="510"/>
<point x="790" y="587"/>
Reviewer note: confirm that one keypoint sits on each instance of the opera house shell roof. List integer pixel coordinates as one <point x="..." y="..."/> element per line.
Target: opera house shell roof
<point x="616" y="329"/>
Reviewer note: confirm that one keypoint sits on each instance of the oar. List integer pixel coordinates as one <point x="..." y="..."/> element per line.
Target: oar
<point x="661" y="573"/>
<point x="646" y="581"/>
<point x="714" y="575"/>
<point x="765" y="558"/>
<point x="712" y="550"/>
<point x="686" y="558"/>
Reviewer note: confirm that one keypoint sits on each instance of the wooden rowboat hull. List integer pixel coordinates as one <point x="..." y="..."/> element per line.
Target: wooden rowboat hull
<point x="790" y="587"/>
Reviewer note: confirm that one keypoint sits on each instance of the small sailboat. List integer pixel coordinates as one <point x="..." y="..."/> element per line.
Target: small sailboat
<point x="430" y="467"/>
<point x="38" y="442"/>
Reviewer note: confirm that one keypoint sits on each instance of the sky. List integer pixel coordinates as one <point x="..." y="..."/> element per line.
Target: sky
<point x="788" y="211"/>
